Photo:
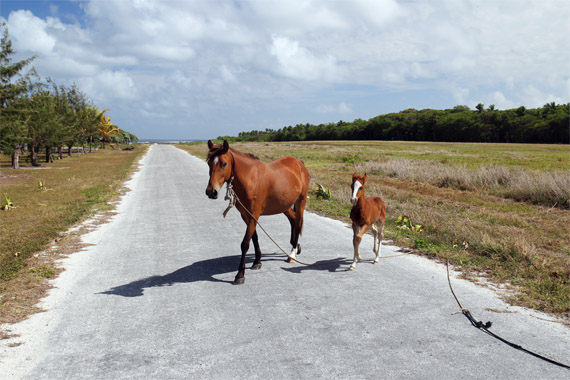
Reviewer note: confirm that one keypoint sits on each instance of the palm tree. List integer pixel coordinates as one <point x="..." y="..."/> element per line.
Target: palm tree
<point x="106" y="128"/>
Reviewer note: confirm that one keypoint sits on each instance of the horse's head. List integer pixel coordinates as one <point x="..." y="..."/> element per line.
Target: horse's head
<point x="220" y="162"/>
<point x="357" y="187"/>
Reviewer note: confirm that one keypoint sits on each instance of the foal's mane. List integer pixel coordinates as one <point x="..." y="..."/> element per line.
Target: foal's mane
<point x="214" y="152"/>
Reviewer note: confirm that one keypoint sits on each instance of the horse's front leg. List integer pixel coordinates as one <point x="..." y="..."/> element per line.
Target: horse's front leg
<point x="358" y="232"/>
<point x="257" y="261"/>
<point x="250" y="230"/>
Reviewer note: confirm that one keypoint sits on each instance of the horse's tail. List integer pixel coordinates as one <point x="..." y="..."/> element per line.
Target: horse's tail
<point x="305" y="180"/>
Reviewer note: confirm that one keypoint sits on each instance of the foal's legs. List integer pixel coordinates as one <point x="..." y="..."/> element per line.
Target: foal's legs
<point x="359" y="231"/>
<point x="375" y="233"/>
<point x="378" y="229"/>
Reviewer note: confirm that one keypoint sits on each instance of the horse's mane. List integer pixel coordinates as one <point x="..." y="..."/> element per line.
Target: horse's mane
<point x="214" y="152"/>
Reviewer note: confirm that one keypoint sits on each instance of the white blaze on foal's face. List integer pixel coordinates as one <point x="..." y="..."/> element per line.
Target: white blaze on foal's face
<point x="355" y="187"/>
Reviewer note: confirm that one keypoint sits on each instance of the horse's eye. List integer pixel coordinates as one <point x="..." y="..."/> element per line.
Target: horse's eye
<point x="224" y="164"/>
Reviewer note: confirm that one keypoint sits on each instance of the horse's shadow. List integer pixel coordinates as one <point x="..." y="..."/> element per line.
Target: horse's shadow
<point x="199" y="271"/>
<point x="205" y="270"/>
<point x="333" y="265"/>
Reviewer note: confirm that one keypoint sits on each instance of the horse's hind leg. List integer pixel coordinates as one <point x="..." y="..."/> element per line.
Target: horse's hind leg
<point x="298" y="227"/>
<point x="257" y="261"/>
<point x="378" y="246"/>
<point x="290" y="214"/>
<point x="375" y="233"/>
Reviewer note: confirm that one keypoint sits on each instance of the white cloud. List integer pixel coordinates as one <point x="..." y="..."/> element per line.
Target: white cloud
<point x="500" y="101"/>
<point x="30" y="33"/>
<point x="531" y="97"/>
<point x="109" y="85"/>
<point x="341" y="108"/>
<point x="299" y="63"/>
<point x="273" y="62"/>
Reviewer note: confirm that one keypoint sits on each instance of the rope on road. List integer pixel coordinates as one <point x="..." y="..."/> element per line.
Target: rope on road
<point x="233" y="198"/>
<point x="486" y="326"/>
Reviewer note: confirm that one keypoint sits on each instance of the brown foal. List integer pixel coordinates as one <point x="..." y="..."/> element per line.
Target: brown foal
<point x="366" y="212"/>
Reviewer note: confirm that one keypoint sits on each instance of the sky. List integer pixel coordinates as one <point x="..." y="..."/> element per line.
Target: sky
<point x="199" y="69"/>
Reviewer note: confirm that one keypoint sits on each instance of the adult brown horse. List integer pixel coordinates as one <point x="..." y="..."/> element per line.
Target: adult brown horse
<point x="262" y="189"/>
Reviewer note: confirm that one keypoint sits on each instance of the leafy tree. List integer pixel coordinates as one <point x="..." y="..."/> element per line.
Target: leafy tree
<point x="42" y="123"/>
<point x="14" y="129"/>
<point x="13" y="85"/>
<point x="68" y="117"/>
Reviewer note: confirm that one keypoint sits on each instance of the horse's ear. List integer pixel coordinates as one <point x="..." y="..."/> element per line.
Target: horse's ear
<point x="354" y="176"/>
<point x="226" y="146"/>
<point x="365" y="176"/>
<point x="210" y="144"/>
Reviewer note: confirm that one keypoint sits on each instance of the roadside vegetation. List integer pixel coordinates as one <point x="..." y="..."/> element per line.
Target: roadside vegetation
<point x="496" y="211"/>
<point x="41" y="196"/>
<point x="46" y="202"/>
<point x="38" y="117"/>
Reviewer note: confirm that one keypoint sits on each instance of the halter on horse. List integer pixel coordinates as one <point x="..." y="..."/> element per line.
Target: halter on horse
<point x="263" y="189"/>
<point x="366" y="212"/>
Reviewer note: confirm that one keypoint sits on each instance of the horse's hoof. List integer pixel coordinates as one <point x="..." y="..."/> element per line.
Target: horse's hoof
<point x="256" y="266"/>
<point x="352" y="267"/>
<point x="239" y="281"/>
<point x="375" y="261"/>
<point x="290" y="260"/>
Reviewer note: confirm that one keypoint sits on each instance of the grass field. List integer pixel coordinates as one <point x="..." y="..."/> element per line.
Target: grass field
<point x="500" y="211"/>
<point x="71" y="189"/>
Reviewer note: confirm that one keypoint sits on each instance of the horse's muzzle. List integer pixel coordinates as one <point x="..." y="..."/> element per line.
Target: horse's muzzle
<point x="212" y="193"/>
<point x="353" y="201"/>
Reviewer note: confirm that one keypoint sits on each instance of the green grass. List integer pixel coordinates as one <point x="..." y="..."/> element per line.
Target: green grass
<point x="74" y="188"/>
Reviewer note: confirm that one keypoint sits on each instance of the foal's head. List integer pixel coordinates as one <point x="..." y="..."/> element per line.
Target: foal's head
<point x="357" y="187"/>
<point x="220" y="161"/>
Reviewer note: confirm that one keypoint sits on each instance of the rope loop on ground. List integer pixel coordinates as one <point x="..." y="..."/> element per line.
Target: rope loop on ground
<point x="486" y="326"/>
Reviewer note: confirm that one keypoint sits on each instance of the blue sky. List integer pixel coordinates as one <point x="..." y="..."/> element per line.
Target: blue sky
<point x="204" y="68"/>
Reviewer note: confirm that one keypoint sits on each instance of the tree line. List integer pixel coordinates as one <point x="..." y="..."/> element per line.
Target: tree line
<point x="36" y="115"/>
<point x="549" y="124"/>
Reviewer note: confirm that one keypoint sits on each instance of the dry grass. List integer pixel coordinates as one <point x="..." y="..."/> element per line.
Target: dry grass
<point x="458" y="193"/>
<point x="33" y="231"/>
<point x="549" y="188"/>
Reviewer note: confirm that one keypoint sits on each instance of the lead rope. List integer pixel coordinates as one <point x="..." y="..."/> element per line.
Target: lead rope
<point x="230" y="196"/>
<point x="233" y="198"/>
<point x="486" y="326"/>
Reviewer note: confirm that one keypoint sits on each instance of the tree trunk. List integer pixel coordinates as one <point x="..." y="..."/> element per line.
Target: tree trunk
<point x="90" y="143"/>
<point x="34" y="150"/>
<point x="60" y="153"/>
<point x="16" y="157"/>
<point x="49" y="158"/>
<point x="69" y="149"/>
